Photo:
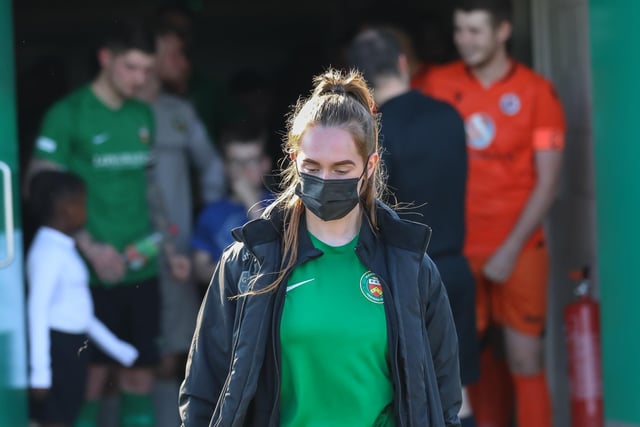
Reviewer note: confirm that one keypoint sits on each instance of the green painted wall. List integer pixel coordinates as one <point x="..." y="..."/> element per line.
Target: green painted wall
<point x="615" y="62"/>
<point x="13" y="401"/>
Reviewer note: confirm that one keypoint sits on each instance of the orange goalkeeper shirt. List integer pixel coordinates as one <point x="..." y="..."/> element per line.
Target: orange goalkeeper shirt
<point x="506" y="123"/>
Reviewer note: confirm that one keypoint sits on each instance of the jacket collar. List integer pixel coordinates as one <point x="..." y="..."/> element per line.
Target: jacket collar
<point x="403" y="234"/>
<point x="261" y="230"/>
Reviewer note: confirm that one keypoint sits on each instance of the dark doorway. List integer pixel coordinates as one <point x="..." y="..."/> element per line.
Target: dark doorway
<point x="281" y="44"/>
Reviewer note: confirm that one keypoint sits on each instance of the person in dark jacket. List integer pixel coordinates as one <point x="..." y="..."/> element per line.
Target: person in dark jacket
<point x="425" y="156"/>
<point x="327" y="311"/>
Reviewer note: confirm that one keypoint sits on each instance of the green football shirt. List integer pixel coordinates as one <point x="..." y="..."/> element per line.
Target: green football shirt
<point x="333" y="338"/>
<point x="109" y="149"/>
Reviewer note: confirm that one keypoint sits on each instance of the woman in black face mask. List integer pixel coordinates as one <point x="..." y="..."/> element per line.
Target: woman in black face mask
<point x="327" y="311"/>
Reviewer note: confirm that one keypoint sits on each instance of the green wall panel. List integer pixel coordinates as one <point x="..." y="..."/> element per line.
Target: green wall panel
<point x="13" y="395"/>
<point x="615" y="39"/>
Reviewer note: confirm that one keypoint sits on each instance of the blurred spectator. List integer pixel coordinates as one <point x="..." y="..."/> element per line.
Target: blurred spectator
<point x="246" y="162"/>
<point x="181" y="142"/>
<point x="515" y="136"/>
<point x="177" y="16"/>
<point x="172" y="65"/>
<point x="175" y="41"/>
<point x="425" y="157"/>
<point x="405" y="43"/>
<point x="100" y="133"/>
<point x="60" y="309"/>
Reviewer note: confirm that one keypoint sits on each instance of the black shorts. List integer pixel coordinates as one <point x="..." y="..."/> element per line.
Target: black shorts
<point x="132" y="313"/>
<point x="69" y="362"/>
<point x="460" y="284"/>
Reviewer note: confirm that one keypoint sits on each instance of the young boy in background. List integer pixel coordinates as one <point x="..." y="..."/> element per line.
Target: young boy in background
<point x="246" y="164"/>
<point x="60" y="308"/>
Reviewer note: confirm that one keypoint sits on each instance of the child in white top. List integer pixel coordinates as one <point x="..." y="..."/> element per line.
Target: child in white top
<point x="60" y="308"/>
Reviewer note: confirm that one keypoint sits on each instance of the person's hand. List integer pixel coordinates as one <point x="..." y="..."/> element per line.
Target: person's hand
<point x="39" y="393"/>
<point x="501" y="264"/>
<point x="247" y="193"/>
<point x="180" y="267"/>
<point x="108" y="263"/>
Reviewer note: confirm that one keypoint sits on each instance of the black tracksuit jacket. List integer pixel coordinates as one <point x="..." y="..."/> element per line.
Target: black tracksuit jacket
<point x="233" y="371"/>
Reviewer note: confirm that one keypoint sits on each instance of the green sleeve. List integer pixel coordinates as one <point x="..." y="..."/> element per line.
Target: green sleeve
<point x="55" y="137"/>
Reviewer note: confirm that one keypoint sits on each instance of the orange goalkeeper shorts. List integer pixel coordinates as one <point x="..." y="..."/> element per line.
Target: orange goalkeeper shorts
<point x="520" y="302"/>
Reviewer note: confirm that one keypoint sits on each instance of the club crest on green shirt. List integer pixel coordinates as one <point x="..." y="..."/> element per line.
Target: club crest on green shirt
<point x="144" y="135"/>
<point x="371" y="288"/>
<point x="179" y="124"/>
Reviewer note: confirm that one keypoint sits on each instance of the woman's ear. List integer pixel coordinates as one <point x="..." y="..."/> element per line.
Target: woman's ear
<point x="372" y="162"/>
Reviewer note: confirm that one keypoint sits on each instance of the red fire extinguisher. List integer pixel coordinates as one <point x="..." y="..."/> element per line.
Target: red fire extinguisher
<point x="582" y="328"/>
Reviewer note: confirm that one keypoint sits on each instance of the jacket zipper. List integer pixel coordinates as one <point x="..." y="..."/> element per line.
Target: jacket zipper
<point x="393" y="347"/>
<point x="254" y="262"/>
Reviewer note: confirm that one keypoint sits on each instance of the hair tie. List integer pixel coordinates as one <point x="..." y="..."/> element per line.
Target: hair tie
<point x="337" y="90"/>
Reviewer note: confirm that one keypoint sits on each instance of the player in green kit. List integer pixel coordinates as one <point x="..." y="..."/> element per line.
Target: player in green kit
<point x="100" y="133"/>
<point x="327" y="310"/>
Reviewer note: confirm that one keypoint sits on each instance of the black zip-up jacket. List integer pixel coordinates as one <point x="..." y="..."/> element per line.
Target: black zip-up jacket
<point x="233" y="371"/>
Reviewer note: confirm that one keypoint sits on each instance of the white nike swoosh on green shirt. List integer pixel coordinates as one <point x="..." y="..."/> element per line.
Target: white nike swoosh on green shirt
<point x="295" y="285"/>
<point x="100" y="138"/>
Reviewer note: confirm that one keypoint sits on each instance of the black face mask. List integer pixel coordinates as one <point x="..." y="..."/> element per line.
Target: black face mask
<point x="328" y="199"/>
